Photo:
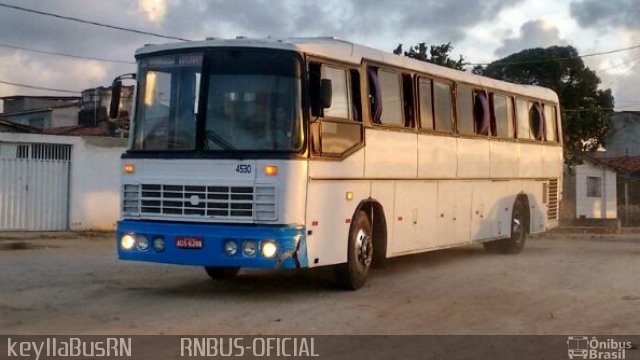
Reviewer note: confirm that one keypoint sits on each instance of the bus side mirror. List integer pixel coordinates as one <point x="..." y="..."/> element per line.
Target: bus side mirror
<point x="114" y="107"/>
<point x="325" y="93"/>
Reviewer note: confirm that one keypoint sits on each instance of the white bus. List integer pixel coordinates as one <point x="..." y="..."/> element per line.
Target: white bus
<point x="307" y="152"/>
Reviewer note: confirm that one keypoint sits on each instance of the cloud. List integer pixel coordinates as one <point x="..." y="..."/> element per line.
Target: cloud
<point x="381" y="24"/>
<point x="155" y="10"/>
<point x="609" y="13"/>
<point x="533" y="34"/>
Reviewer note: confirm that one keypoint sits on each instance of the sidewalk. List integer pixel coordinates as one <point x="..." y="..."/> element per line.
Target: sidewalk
<point x="51" y="235"/>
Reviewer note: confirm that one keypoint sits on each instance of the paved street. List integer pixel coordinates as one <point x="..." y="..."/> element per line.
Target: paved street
<point x="561" y="284"/>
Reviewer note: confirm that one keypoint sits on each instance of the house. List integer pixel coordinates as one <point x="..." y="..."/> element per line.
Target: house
<point x="10" y="127"/>
<point x="41" y="112"/>
<point x="623" y="154"/>
<point x="589" y="190"/>
<point x="45" y="118"/>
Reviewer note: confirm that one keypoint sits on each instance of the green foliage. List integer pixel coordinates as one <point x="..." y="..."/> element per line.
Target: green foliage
<point x="585" y="108"/>
<point x="437" y="54"/>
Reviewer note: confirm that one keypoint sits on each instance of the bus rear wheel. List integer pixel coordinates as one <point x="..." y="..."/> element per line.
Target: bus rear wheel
<point x="221" y="273"/>
<point x="353" y="274"/>
<point x="519" y="227"/>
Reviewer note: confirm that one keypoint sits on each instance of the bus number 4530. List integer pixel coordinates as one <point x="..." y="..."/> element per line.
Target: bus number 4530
<point x="243" y="169"/>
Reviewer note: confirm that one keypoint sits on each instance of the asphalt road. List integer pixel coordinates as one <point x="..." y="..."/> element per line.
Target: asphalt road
<point x="560" y="284"/>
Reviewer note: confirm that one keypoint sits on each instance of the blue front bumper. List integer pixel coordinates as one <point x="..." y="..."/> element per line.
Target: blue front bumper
<point x="292" y="249"/>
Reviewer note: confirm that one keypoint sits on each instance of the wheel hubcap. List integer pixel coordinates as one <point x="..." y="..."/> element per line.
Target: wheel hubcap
<point x="364" y="248"/>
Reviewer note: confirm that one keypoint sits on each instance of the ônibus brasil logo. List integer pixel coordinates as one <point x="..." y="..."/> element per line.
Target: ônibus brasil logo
<point x="581" y="347"/>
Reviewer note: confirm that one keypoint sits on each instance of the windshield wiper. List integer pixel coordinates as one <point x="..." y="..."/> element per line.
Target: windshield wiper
<point x="218" y="140"/>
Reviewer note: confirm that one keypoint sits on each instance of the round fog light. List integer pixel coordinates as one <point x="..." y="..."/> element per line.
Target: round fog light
<point x="250" y="248"/>
<point x="158" y="244"/>
<point x="128" y="241"/>
<point x="230" y="247"/>
<point x="269" y="249"/>
<point x="143" y="243"/>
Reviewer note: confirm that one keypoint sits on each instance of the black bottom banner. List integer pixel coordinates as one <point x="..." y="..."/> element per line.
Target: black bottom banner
<point x="320" y="347"/>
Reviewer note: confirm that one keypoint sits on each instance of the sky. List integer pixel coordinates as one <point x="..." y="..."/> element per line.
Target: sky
<point x="482" y="31"/>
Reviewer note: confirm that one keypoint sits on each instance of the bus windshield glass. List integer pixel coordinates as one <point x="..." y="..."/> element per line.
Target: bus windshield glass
<point x="167" y="105"/>
<point x="253" y="101"/>
<point x="251" y="98"/>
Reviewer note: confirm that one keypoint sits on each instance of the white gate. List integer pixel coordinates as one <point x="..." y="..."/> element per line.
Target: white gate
<point x="34" y="186"/>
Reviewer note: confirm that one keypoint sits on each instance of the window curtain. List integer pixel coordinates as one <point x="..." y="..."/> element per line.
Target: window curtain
<point x="485" y="123"/>
<point x="376" y="94"/>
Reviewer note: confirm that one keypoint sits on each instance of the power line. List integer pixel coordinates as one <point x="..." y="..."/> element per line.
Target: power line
<point x="39" y="87"/>
<point x="622" y="75"/>
<point x="559" y="59"/>
<point x="66" y="55"/>
<point x="88" y="22"/>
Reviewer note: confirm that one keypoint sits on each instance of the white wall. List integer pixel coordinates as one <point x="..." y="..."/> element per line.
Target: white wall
<point x="94" y="192"/>
<point x="603" y="207"/>
<point x="64" y="116"/>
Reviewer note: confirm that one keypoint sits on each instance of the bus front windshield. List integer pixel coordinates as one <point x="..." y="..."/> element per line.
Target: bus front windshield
<point x="252" y="102"/>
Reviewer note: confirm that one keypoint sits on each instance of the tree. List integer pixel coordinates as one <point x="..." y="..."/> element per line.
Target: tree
<point x="438" y="54"/>
<point x="585" y="108"/>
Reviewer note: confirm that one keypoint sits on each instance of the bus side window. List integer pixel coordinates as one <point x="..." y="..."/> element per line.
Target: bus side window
<point x="407" y="97"/>
<point x="503" y="114"/>
<point x="442" y="106"/>
<point x="536" y="117"/>
<point x="425" y="103"/>
<point x="522" y="119"/>
<point x="339" y="129"/>
<point x="392" y="106"/>
<point x="340" y="104"/>
<point x="551" y="123"/>
<point x="464" y="110"/>
<point x="356" y="105"/>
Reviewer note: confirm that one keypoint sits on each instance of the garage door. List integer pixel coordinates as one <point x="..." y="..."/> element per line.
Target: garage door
<point x="34" y="186"/>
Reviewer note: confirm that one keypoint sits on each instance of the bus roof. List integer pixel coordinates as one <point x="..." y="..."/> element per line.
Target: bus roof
<point x="330" y="47"/>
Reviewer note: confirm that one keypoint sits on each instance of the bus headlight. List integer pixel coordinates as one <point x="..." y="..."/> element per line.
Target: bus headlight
<point x="158" y="244"/>
<point x="128" y="241"/>
<point x="230" y="247"/>
<point x="250" y="248"/>
<point x="142" y="243"/>
<point x="269" y="249"/>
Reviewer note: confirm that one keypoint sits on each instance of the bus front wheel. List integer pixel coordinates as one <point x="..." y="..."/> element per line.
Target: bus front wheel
<point x="221" y="273"/>
<point x="353" y="274"/>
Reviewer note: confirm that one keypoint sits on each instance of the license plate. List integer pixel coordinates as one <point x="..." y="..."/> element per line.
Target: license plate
<point x="189" y="242"/>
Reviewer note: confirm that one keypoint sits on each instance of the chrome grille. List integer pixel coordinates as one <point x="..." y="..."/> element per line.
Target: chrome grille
<point x="552" y="206"/>
<point x="201" y="201"/>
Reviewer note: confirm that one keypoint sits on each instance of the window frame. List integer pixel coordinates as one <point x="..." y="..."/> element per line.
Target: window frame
<point x="316" y="122"/>
<point x="399" y="74"/>
<point x="598" y="193"/>
<point x="509" y="117"/>
<point x="347" y="73"/>
<point x="554" y="110"/>
<point x="452" y="132"/>
<point x="419" y="126"/>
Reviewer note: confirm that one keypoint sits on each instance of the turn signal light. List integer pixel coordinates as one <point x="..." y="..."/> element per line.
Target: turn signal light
<point x="129" y="168"/>
<point x="270" y="170"/>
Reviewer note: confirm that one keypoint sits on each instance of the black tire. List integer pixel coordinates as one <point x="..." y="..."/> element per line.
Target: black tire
<point x="353" y="274"/>
<point x="221" y="273"/>
<point x="519" y="227"/>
